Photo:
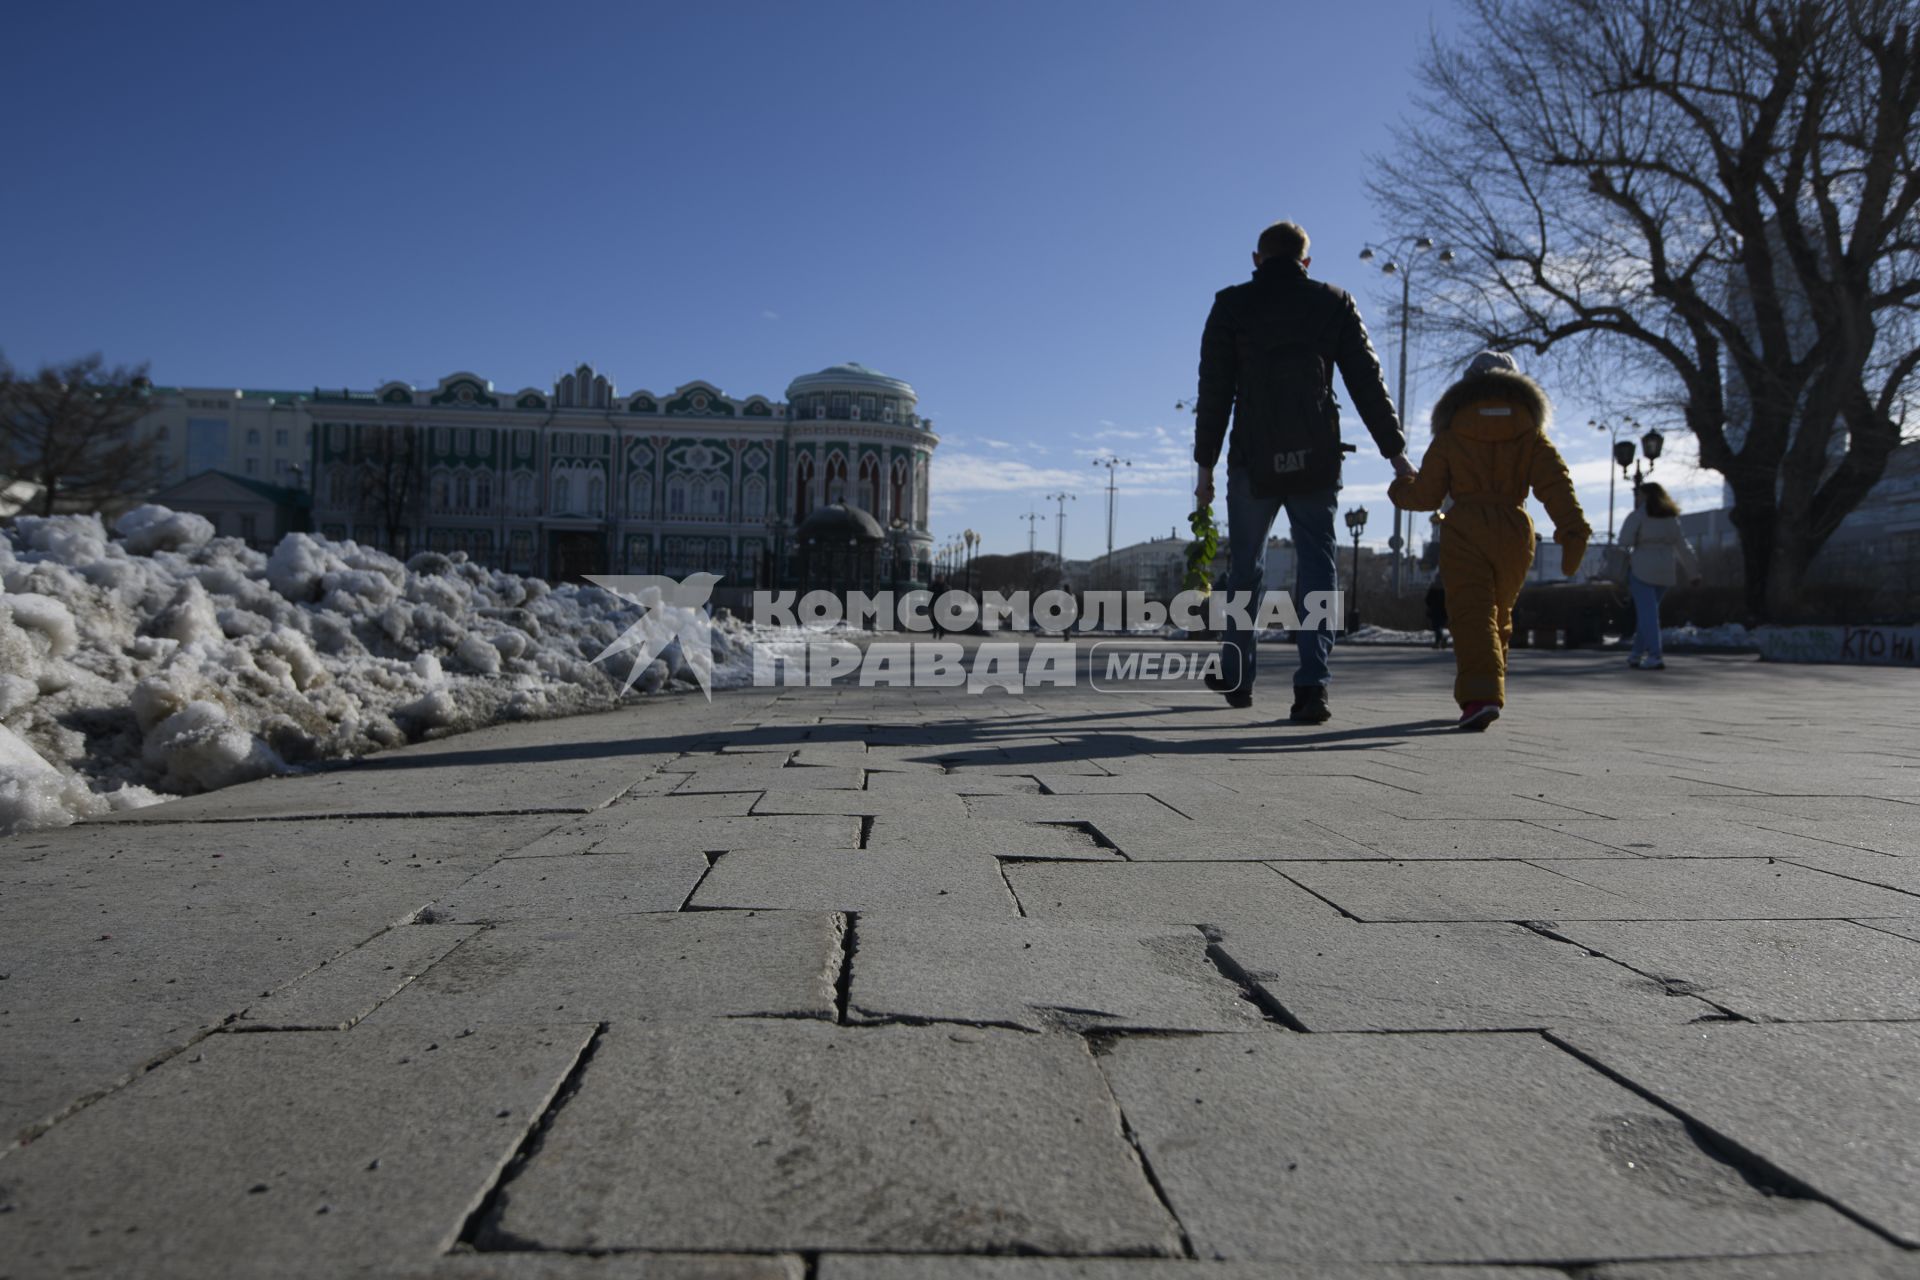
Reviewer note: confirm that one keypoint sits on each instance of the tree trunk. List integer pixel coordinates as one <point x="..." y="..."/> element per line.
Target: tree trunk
<point x="1787" y="577"/>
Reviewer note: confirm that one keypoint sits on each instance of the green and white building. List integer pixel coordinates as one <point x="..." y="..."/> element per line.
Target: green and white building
<point x="583" y="478"/>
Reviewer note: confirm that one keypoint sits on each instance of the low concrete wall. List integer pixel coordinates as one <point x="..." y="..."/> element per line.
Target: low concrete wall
<point x="1862" y="646"/>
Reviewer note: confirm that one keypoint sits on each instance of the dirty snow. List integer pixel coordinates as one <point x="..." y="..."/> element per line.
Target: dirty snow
<point x="161" y="660"/>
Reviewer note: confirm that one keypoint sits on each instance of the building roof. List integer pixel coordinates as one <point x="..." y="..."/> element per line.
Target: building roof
<point x="849" y="376"/>
<point x="839" y="520"/>
<point x="277" y="494"/>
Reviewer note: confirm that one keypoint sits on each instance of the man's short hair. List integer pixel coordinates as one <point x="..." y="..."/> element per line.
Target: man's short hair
<point x="1284" y="240"/>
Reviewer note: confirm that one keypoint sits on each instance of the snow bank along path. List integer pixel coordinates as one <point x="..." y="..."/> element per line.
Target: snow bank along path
<point x="162" y="659"/>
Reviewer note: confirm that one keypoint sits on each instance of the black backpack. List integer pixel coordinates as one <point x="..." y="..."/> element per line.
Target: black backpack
<point x="1296" y="445"/>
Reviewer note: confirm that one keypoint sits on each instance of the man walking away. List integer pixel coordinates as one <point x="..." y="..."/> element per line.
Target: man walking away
<point x="1267" y="360"/>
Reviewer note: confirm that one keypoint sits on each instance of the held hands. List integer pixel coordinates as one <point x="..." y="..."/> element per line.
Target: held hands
<point x="1402" y="468"/>
<point x="1203" y="492"/>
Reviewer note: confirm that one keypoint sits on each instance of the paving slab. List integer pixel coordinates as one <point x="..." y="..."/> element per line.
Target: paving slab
<point x="1835" y="1105"/>
<point x="1040" y="975"/>
<point x="619" y="1266"/>
<point x="1229" y="834"/>
<point x="1222" y="894"/>
<point x="212" y="1164"/>
<point x="600" y="884"/>
<point x="1686" y="837"/>
<point x="1441" y="838"/>
<point x="1740" y="888"/>
<point x="1454" y="890"/>
<point x="772" y="781"/>
<point x="629" y="968"/>
<point x="1873" y="868"/>
<point x="920" y="881"/>
<point x="1770" y="970"/>
<point x="122" y="944"/>
<point x="1434" y="1147"/>
<point x="1344" y="976"/>
<point x="1884" y="1264"/>
<point x="801" y="1136"/>
<point x="995" y="837"/>
<point x="835" y="1266"/>
<point x="1906" y="928"/>
<point x="921" y="806"/>
<point x="345" y="989"/>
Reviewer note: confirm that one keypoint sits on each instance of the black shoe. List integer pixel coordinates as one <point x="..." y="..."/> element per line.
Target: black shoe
<point x="1237" y="698"/>
<point x="1310" y="705"/>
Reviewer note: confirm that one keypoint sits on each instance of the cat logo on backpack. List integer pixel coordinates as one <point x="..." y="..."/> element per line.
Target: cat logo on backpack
<point x="1288" y="461"/>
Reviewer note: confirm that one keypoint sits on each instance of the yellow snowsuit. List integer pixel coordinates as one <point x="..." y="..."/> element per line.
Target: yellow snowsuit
<point x="1489" y="448"/>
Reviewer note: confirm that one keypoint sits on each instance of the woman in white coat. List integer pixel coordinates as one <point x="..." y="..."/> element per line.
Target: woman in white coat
<point x="1657" y="555"/>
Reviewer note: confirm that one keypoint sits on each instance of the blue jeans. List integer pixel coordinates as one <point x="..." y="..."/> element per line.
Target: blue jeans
<point x="1646" y="617"/>
<point x="1249" y="523"/>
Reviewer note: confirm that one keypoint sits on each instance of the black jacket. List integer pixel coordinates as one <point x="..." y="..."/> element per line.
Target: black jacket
<point x="1280" y="304"/>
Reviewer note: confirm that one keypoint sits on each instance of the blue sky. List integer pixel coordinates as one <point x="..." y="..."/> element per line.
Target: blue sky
<point x="1023" y="209"/>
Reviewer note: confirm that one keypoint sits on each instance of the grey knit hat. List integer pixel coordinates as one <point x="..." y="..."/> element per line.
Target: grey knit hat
<point x="1487" y="361"/>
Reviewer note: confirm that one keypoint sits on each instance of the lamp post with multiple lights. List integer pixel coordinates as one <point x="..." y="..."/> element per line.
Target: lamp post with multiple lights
<point x="1112" y="489"/>
<point x="1356" y="521"/>
<point x="1400" y="260"/>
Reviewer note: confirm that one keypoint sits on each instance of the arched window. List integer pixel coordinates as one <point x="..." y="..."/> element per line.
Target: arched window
<point x="676" y="496"/>
<point x="716" y="498"/>
<point x="870" y="483"/>
<point x="463" y="492"/>
<point x="920" y="492"/>
<point x="640" y="495"/>
<point x="483" y="493"/>
<point x="837" y="477"/>
<point x="753" y="499"/>
<point x="440" y="494"/>
<point x="802" y="487"/>
<point x="523" y="492"/>
<point x="898" y="509"/>
<point x="562" y="495"/>
<point x="336" y="487"/>
<point x="596" y="496"/>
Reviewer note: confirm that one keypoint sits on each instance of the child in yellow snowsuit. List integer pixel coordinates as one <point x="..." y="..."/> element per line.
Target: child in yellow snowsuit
<point x="1489" y="448"/>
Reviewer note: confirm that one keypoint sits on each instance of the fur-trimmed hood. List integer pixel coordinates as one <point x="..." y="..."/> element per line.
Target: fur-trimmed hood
<point x="1489" y="390"/>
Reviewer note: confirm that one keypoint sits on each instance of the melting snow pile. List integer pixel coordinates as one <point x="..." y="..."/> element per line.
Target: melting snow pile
<point x="162" y="659"/>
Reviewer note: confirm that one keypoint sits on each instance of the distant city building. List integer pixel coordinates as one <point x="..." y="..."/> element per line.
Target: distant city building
<point x="259" y="435"/>
<point x="580" y="478"/>
<point x="259" y="514"/>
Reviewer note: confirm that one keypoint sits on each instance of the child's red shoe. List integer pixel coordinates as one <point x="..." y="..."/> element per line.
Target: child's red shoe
<point x="1476" y="716"/>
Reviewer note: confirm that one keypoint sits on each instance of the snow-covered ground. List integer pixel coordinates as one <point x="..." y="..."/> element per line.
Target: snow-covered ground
<point x="157" y="659"/>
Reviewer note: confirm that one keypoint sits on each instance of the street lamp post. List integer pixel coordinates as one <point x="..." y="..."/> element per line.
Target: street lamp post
<point x="1060" y="528"/>
<point x="1112" y="488"/>
<point x="1614" y="437"/>
<point x="973" y="540"/>
<point x="1400" y="260"/>
<point x="1652" y="445"/>
<point x="1356" y="521"/>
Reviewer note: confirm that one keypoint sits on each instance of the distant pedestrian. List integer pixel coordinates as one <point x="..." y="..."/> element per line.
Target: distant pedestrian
<point x="1657" y="553"/>
<point x="1267" y="359"/>
<point x="1437" y="611"/>
<point x="1489" y="449"/>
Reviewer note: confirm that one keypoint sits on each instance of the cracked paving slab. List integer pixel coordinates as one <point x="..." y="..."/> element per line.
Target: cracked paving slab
<point x="599" y="884"/>
<point x="795" y="1135"/>
<point x="1225" y="894"/>
<point x="1410" y="1148"/>
<point x="1770" y="970"/>
<point x="922" y="881"/>
<point x="1345" y="976"/>
<point x="1042" y="975"/>
<point x="638" y="968"/>
<point x="614" y="1266"/>
<point x="1836" y="1105"/>
<point x="904" y="1267"/>
<point x="348" y="987"/>
<point x="218" y="1163"/>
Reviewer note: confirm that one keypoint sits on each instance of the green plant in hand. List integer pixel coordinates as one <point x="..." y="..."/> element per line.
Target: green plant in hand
<point x="1201" y="551"/>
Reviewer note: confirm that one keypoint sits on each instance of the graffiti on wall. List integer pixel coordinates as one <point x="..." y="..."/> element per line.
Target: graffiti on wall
<point x="1865" y="646"/>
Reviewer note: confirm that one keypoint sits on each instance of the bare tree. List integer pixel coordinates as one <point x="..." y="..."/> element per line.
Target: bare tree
<point x="390" y="464"/>
<point x="1715" y="199"/>
<point x="72" y="430"/>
